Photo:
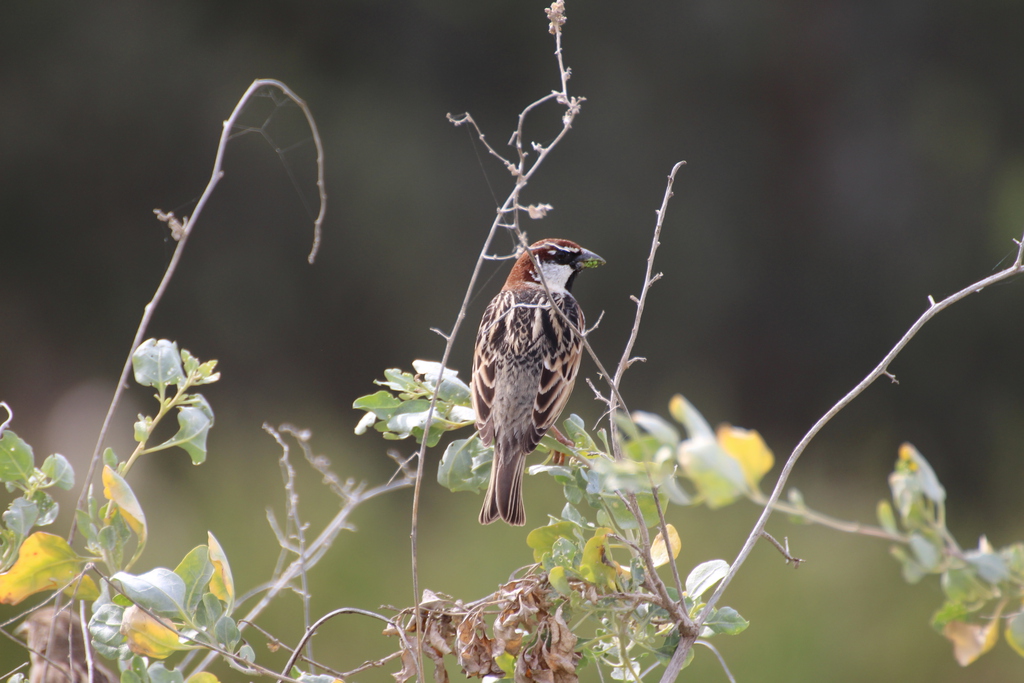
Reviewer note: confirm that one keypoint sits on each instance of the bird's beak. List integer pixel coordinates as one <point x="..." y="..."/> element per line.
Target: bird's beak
<point x="588" y="259"/>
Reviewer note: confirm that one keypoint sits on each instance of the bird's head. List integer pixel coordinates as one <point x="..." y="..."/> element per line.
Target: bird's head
<point x="558" y="260"/>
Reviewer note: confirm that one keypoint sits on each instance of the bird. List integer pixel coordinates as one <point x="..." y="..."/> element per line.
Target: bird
<point x="57" y="649"/>
<point x="524" y="365"/>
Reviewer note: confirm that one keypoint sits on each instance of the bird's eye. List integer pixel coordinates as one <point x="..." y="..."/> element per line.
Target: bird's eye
<point x="564" y="258"/>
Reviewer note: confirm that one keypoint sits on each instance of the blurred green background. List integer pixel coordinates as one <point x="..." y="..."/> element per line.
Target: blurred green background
<point x="845" y="160"/>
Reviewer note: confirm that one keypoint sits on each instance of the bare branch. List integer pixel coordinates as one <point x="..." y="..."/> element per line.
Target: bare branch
<point x="880" y="370"/>
<point x="784" y="549"/>
<point x="467" y="118"/>
<point x="624" y="362"/>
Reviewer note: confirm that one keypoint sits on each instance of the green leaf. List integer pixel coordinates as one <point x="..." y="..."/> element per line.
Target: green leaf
<point x="571" y="514"/>
<point x="112" y="539"/>
<point x="209" y="611"/>
<point x="886" y="518"/>
<point x="574" y="428"/>
<point x="157" y="363"/>
<point x="195" y="570"/>
<point x="950" y="611"/>
<point x="726" y="621"/>
<point x="16" y="460"/>
<point x="194" y="424"/>
<point x="645" y="501"/>
<point x="962" y="585"/>
<point x="110" y="458"/>
<point x="991" y="566"/>
<point x="21" y="516"/>
<point x="382" y="404"/>
<point x="928" y="553"/>
<point x="227" y="633"/>
<point x="158" y="673"/>
<point x="912" y="570"/>
<point x="704" y="576"/>
<point x="105" y="628"/>
<point x="465" y="465"/>
<point x="59" y="470"/>
<point x="401" y="382"/>
<point x="159" y="590"/>
<point x="47" y="507"/>
<point x="543" y="538"/>
<point x="143" y="426"/>
<point x="453" y="389"/>
<point x="572" y="492"/>
<point x="317" y="678"/>
<point x="409" y="416"/>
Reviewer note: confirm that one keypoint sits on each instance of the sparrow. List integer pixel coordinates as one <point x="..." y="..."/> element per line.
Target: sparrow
<point x="60" y="658"/>
<point x="524" y="365"/>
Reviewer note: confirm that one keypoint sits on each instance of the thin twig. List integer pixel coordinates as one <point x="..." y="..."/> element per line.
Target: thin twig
<point x="668" y="542"/>
<point x="810" y="516"/>
<point x="275" y="643"/>
<point x="784" y="549"/>
<point x="292" y="506"/>
<point x="721" y="659"/>
<point x="327" y="617"/>
<point x="649" y="279"/>
<point x="150" y="308"/>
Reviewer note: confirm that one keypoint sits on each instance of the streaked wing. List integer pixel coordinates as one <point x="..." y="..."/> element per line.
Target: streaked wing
<point x="486" y="358"/>
<point x="561" y="350"/>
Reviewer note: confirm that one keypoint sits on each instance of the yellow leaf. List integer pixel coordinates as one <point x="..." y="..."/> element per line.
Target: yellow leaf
<point x="597" y="565"/>
<point x="659" y="551"/>
<point x="149" y="637"/>
<point x="116" y="489"/>
<point x="558" y="580"/>
<point x="971" y="641"/>
<point x="749" y="449"/>
<point x="83" y="589"/>
<point x="221" y="584"/>
<point x="202" y="677"/>
<point x="45" y="562"/>
<point x="1015" y="633"/>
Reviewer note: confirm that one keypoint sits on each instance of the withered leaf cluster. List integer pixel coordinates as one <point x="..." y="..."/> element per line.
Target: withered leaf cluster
<point x="528" y="633"/>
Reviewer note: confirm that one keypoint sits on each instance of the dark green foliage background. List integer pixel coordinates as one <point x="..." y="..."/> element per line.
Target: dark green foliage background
<point x="845" y="160"/>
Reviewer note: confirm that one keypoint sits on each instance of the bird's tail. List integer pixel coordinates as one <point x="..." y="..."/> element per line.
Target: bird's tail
<point x="504" y="497"/>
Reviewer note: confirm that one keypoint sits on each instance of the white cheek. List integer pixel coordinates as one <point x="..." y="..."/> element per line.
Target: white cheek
<point x="556" y="275"/>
